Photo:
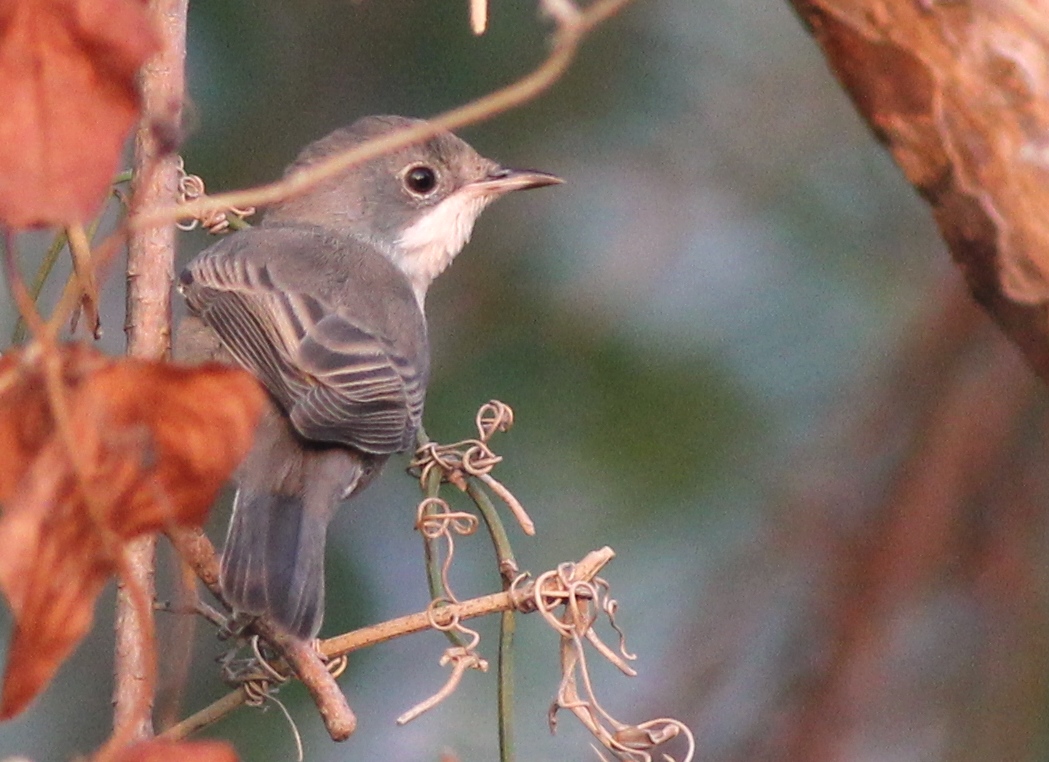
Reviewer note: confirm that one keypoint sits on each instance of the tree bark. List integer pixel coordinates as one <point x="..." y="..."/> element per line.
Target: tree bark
<point x="957" y="92"/>
<point x="150" y="268"/>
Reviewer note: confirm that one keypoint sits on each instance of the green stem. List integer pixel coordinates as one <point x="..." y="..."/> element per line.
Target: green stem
<point x="507" y="627"/>
<point x="507" y="623"/>
<point x="431" y="547"/>
<point x="500" y="539"/>
<point x="507" y="570"/>
<point x="42" y="273"/>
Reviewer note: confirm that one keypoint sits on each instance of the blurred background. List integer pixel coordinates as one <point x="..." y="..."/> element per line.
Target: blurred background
<point x="737" y="353"/>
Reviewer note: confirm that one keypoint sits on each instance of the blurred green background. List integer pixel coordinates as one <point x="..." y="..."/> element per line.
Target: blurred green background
<point x="730" y="252"/>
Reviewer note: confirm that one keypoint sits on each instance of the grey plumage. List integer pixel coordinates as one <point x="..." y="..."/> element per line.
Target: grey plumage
<point x="299" y="307"/>
<point x="323" y="303"/>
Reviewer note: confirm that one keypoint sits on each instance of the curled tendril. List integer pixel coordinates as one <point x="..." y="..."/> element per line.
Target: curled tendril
<point x="523" y="600"/>
<point x="470" y="456"/>
<point x="571" y="599"/>
<point x="461" y="659"/>
<point x="255" y="674"/>
<point x="493" y="416"/>
<point x="258" y="678"/>
<point x="473" y="458"/>
<point x="190" y="188"/>
<point x="434" y="518"/>
<point x="338" y="665"/>
<point x="441" y="618"/>
<point x="571" y="606"/>
<point x="436" y="521"/>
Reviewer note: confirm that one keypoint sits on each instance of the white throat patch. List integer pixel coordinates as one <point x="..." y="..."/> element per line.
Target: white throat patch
<point x="430" y="244"/>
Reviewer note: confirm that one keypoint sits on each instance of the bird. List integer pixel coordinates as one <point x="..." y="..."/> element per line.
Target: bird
<point x="323" y="301"/>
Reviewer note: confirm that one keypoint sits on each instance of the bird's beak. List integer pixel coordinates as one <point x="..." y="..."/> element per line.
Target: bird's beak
<point x="501" y="180"/>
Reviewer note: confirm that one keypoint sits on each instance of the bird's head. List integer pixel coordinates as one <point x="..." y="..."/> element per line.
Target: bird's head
<point x="417" y="205"/>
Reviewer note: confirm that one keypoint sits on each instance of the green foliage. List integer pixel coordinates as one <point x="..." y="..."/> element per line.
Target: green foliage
<point x="647" y="424"/>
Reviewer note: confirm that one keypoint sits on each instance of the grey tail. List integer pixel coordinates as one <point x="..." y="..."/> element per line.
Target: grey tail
<point x="273" y="562"/>
<point x="288" y="490"/>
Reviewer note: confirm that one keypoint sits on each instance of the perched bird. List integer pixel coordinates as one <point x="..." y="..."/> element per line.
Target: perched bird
<point x="323" y="302"/>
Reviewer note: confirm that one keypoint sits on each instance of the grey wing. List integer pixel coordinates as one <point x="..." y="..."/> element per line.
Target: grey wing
<point x="336" y="381"/>
<point x="359" y="379"/>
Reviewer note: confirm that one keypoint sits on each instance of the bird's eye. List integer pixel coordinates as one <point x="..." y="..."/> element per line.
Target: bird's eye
<point x="420" y="179"/>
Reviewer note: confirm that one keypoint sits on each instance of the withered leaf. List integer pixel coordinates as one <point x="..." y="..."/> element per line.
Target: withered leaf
<point x="67" y="74"/>
<point x="186" y="751"/>
<point x="152" y="443"/>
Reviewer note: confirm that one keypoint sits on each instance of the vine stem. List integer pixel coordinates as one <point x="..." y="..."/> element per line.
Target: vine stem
<point x="586" y="569"/>
<point x="151" y="255"/>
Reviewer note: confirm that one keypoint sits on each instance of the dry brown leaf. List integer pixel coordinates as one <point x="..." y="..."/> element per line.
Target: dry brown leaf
<point x="186" y="751"/>
<point x="22" y="435"/>
<point x="67" y="75"/>
<point x="154" y="443"/>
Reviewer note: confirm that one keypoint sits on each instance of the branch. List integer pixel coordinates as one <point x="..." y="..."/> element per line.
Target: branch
<point x="959" y="101"/>
<point x="574" y="588"/>
<point x="339" y="720"/>
<point x="194" y="546"/>
<point x="150" y="266"/>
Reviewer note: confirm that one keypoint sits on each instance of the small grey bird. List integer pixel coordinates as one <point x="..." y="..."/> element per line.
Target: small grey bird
<point x="323" y="302"/>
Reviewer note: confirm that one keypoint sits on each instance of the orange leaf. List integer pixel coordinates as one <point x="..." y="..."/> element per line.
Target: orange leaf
<point x="187" y="751"/>
<point x="153" y="444"/>
<point x="67" y="75"/>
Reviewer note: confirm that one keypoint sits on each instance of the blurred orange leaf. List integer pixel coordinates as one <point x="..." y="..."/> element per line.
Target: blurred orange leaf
<point x="188" y="751"/>
<point x="153" y="444"/>
<point x="67" y="75"/>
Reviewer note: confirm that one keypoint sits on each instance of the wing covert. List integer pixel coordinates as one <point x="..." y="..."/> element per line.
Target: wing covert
<point x="337" y="381"/>
<point x="360" y="379"/>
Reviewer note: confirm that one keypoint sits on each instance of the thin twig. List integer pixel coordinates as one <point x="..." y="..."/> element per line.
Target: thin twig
<point x="518" y="510"/>
<point x="190" y="542"/>
<point x="150" y="261"/>
<point x="461" y="660"/>
<point x="205" y="717"/>
<point x="478" y="16"/>
<point x="84" y="269"/>
<point x="67" y="303"/>
<point x="306" y="662"/>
